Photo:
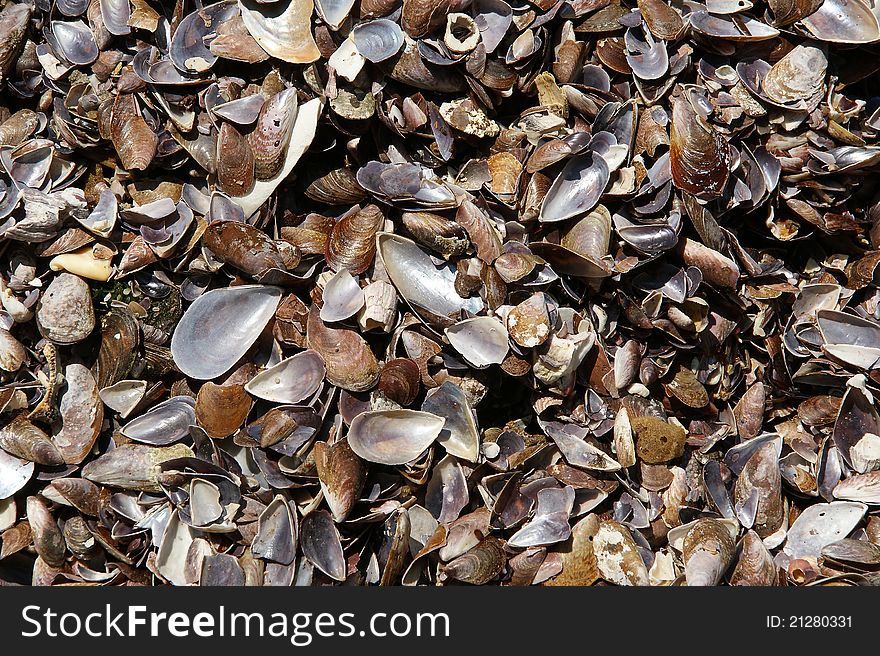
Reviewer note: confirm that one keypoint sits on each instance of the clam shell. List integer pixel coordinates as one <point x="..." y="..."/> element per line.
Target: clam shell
<point x="820" y="525"/>
<point x="420" y="282"/>
<point x="352" y="242"/>
<point x="283" y="29"/>
<point x="393" y="437"/>
<point x="482" y="341"/>
<point x="220" y="327"/>
<point x="460" y="435"/>
<point x="292" y="380"/>
<point x="343" y="297"/>
<point x="350" y="363"/>
<point x="222" y="409"/>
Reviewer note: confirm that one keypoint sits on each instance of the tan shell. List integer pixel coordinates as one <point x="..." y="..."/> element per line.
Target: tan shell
<point x="528" y="323"/>
<point x="271" y="135"/>
<point x="133" y="139"/>
<point x="352" y="242"/>
<point x="235" y="161"/>
<point x="707" y="551"/>
<point x="350" y="363"/>
<point x="617" y="557"/>
<point x="222" y="409"/>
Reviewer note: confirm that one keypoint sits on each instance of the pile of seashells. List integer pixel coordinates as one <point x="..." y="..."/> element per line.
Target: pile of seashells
<point x="440" y="292"/>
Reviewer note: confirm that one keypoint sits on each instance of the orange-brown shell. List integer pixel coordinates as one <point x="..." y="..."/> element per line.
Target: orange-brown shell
<point x="352" y="242"/>
<point x="235" y="162"/>
<point x="133" y="139"/>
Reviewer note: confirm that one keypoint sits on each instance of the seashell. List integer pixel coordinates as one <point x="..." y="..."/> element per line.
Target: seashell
<point x="14" y="19"/>
<point x="420" y="282"/>
<point x="82" y="415"/>
<point x="48" y="539"/>
<point x="321" y="544"/>
<point x="120" y="341"/>
<point x="221" y="570"/>
<point x="699" y="156"/>
<point x="838" y="21"/>
<point x="617" y="556"/>
<point x="393" y="437"/>
<point x="460" y="435"/>
<point x="116" y="14"/>
<point x="861" y="487"/>
<point x="377" y="40"/>
<point x="292" y="380"/>
<point x="352" y="242"/>
<point x="657" y="441"/>
<point x="12" y="352"/>
<point x="663" y="21"/>
<point x="235" y="162"/>
<point x="380" y="307"/>
<point x="276" y="538"/>
<point x="482" y="341"/>
<point x="171" y="558"/>
<point x="820" y="525"/>
<point x="716" y="268"/>
<point x="447" y="491"/>
<point x="749" y="411"/>
<point x="239" y="313"/>
<point x="569" y="439"/>
<point x="342" y="476"/>
<point x="284" y="30"/>
<point x="348" y="359"/>
<point x="624" y="445"/>
<point x="334" y="12"/>
<point x="442" y="236"/>
<point x="798" y="78"/>
<point x="399" y="381"/>
<point x="745" y="29"/>
<point x="761" y="478"/>
<point x="244" y="247"/>
<point x="222" y="409"/>
<point x="14" y="473"/>
<point x="707" y="551"/>
<point x="342" y="296"/>
<point x="755" y="565"/>
<point x="481" y="564"/>
<point x="786" y="12"/>
<point x="550" y="521"/>
<point x="338" y="187"/>
<point x="558" y="358"/>
<point x="271" y="136"/>
<point x="83" y="495"/>
<point x="102" y="219"/>
<point x="133" y="466"/>
<point x="647" y="57"/>
<point x="18" y="127"/>
<point x="410" y="69"/>
<point x="190" y="44"/>
<point x="74" y="41"/>
<point x="164" y="424"/>
<point x="83" y="262"/>
<point x="462" y="33"/>
<point x="65" y="314"/>
<point x="529" y="323"/>
<point x="685" y="387"/>
<point x="134" y="141"/>
<point x="20" y="438"/>
<point x="860" y="552"/>
<point x="856" y="421"/>
<point x="577" y="188"/>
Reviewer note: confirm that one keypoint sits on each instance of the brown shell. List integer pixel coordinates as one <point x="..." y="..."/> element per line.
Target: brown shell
<point x="272" y="133"/>
<point x="18" y="127"/>
<point x="698" y="154"/>
<point x="762" y="474"/>
<point x="245" y="247"/>
<point x="338" y="187"/>
<point x="663" y="21"/>
<point x="352" y="242"/>
<point x="399" y="380"/>
<point x="481" y="564"/>
<point x="24" y="440"/>
<point x="528" y="323"/>
<point x="350" y="363"/>
<point x="786" y="12"/>
<point x="420" y="16"/>
<point x="342" y="475"/>
<point x="235" y="162"/>
<point x="685" y="387"/>
<point x="442" y="236"/>
<point x="13" y="27"/>
<point x="133" y="139"/>
<point x="749" y="411"/>
<point x="222" y="409"/>
<point x="120" y="341"/>
<point x="755" y="565"/>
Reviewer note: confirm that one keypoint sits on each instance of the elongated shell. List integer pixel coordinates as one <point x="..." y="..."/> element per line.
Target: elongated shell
<point x="235" y="161"/>
<point x="698" y="154"/>
<point x="271" y="135"/>
<point x="13" y="26"/>
<point x="133" y="139"/>
<point x="707" y="552"/>
<point x="755" y="565"/>
<point x="482" y="564"/>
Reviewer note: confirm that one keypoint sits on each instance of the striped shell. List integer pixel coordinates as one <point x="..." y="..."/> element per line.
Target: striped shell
<point x="133" y="139"/>
<point x="235" y="162"/>
<point x="272" y="133"/>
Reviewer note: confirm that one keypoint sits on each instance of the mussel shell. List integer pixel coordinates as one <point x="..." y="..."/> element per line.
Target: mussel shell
<point x="243" y="246"/>
<point x="75" y="41"/>
<point x="222" y="409"/>
<point x="220" y="327"/>
<point x="283" y="29"/>
<point x="292" y="380"/>
<point x="698" y="154"/>
<point x="235" y="161"/>
<point x="349" y="361"/>
<point x="352" y="242"/>
<point x="271" y="135"/>
<point x="393" y="437"/>
<point x="377" y="40"/>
